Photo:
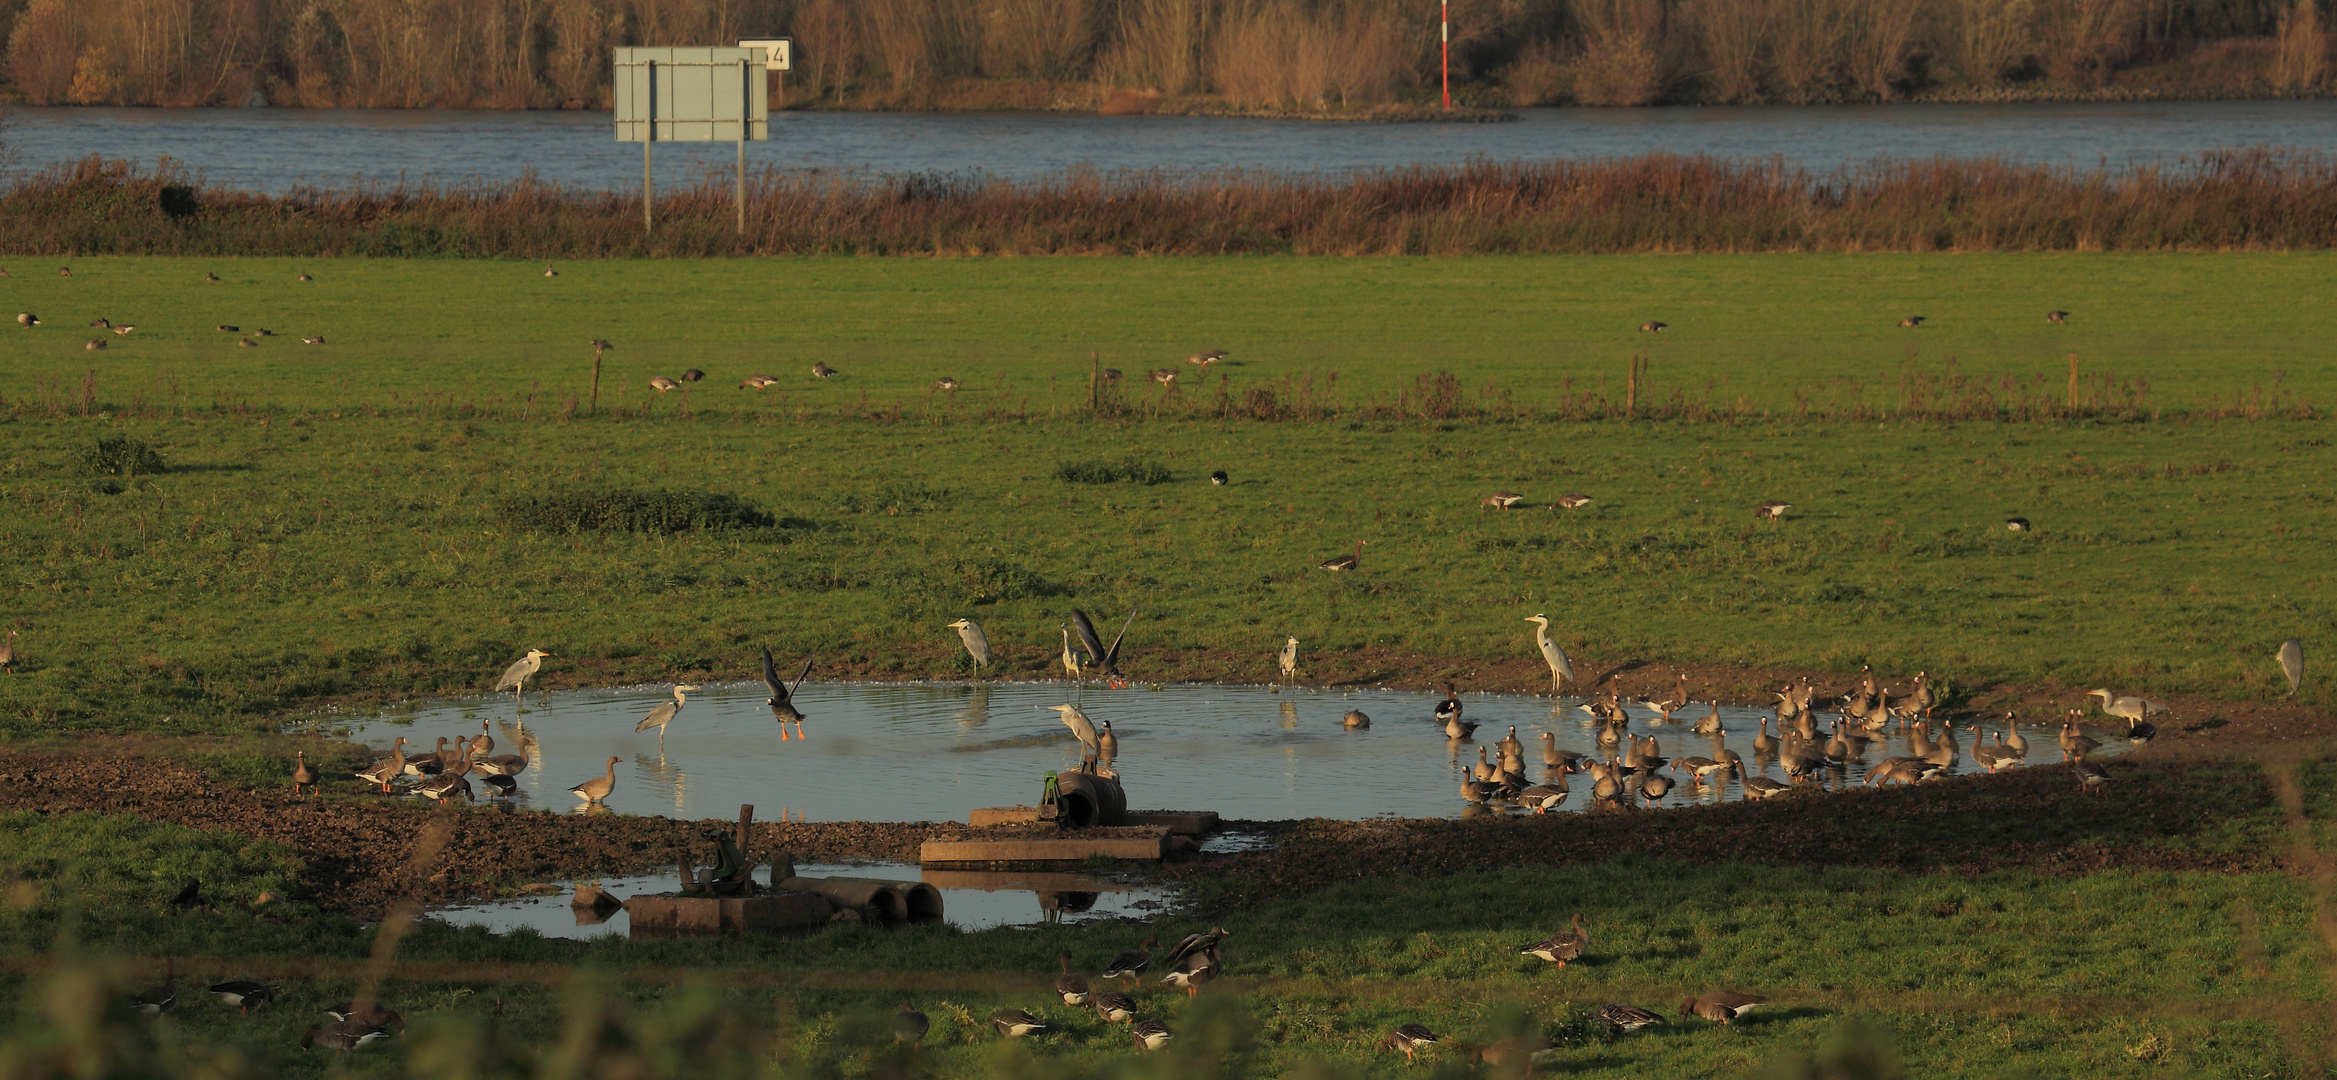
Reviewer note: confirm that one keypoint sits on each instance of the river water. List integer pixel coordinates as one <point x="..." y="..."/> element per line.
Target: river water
<point x="933" y="752"/>
<point x="276" y="149"/>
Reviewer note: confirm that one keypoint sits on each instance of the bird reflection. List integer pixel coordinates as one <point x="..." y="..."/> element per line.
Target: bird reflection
<point x="1054" y="905"/>
<point x="1290" y="715"/>
<point x="664" y="777"/>
<point x="977" y="710"/>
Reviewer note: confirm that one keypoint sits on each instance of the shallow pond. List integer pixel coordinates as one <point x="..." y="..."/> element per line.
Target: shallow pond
<point x="970" y="900"/>
<point x="933" y="752"/>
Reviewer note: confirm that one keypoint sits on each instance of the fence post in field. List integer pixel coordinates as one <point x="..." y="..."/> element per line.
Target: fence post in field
<point x="597" y="346"/>
<point x="1095" y="373"/>
<point x="2072" y="382"/>
<point x="1631" y="386"/>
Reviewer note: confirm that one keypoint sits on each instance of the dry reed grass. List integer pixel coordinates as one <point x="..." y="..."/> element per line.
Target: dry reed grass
<point x="545" y="53"/>
<point x="2246" y="200"/>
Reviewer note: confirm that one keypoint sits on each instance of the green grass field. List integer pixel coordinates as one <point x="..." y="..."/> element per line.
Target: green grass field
<point x="332" y="527"/>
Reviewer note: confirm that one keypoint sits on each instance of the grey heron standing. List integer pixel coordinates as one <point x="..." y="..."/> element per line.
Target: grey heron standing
<point x="1289" y="659"/>
<point x="1091" y="747"/>
<point x="782" y="699"/>
<point x="1561" y="669"/>
<point x="2292" y="663"/>
<point x="664" y="714"/>
<point x="515" y="677"/>
<point x="977" y="646"/>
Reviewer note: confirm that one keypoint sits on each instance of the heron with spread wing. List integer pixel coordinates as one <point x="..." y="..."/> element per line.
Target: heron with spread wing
<point x="782" y="699"/>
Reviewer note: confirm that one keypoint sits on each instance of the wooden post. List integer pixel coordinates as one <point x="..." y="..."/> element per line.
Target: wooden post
<point x="2073" y="382"/>
<point x="746" y="821"/>
<point x="1095" y="372"/>
<point x="595" y="408"/>
<point x="1631" y="388"/>
<point x="746" y="101"/>
<point x="648" y="135"/>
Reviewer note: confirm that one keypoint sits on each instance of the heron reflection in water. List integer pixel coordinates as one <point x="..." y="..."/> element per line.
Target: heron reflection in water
<point x="977" y="710"/>
<point x="664" y="777"/>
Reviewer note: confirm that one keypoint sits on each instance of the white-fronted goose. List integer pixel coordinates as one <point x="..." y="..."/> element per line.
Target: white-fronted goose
<point x="1503" y="500"/>
<point x="2090" y="776"/>
<point x="157" y="1000"/>
<point x="1543" y="798"/>
<point x="1409" y="1038"/>
<point x="1016" y="1023"/>
<point x="453" y="782"/>
<point x="1150" y="1035"/>
<point x="1132" y="963"/>
<point x="910" y="1026"/>
<point x="243" y="995"/>
<point x="430" y="764"/>
<point x="1653" y="787"/>
<point x="1709" y="724"/>
<point x="303" y="775"/>
<point x="597" y="788"/>
<point x="1772" y="510"/>
<point x="1912" y="321"/>
<point x="1761" y="787"/>
<point x="1573" y="501"/>
<point x="499" y="786"/>
<point x="1206" y="357"/>
<point x="946" y="385"/>
<point x="1625" y="1019"/>
<point x="782" y="699"/>
<point x="1355" y="720"/>
<point x="661" y="384"/>
<point x="1114" y="1008"/>
<point x="1345" y="562"/>
<point x="343" y="1035"/>
<point x="505" y="764"/>
<point x="1764" y="744"/>
<point x="756" y="382"/>
<point x="2075" y="745"/>
<point x="1562" y="946"/>
<point x="388" y="768"/>
<point x="1509" y="746"/>
<point x="1722" y="1006"/>
<point x="823" y="371"/>
<point x="1071" y="984"/>
<point x="1653" y="326"/>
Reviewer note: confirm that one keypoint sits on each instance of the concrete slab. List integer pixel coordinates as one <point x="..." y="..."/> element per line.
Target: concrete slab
<point x="1003" y="815"/>
<point x="1050" y="846"/>
<point x="1177" y="822"/>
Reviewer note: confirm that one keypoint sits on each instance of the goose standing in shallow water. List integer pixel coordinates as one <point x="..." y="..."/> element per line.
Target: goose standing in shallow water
<point x="598" y="788"/>
<point x="389" y="768"/>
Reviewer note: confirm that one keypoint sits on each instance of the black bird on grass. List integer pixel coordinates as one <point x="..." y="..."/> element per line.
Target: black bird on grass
<point x="1218" y="478"/>
<point x="190" y="897"/>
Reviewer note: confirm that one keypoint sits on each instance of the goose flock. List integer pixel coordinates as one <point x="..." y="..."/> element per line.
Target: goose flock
<point x="1191" y="964"/>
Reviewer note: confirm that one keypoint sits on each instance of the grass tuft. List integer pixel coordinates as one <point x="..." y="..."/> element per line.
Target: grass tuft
<point x="1132" y="470"/>
<point x="620" y="510"/>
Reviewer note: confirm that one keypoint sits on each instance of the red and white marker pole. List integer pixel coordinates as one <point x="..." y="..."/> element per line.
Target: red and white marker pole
<point x="1445" y="32"/>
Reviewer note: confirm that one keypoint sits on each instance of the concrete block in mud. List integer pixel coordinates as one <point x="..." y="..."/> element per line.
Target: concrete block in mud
<point x="1051" y="846"/>
<point x="1177" y="822"/>
<point x="1003" y="815"/>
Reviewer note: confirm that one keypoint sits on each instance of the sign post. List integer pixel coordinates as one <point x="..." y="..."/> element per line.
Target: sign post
<point x="691" y="95"/>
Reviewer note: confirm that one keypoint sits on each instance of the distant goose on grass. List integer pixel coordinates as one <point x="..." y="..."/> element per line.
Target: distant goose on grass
<point x="597" y="788"/>
<point x="1653" y="327"/>
<point x="1562" y="946"/>
<point x="946" y="385"/>
<point x="243" y="995"/>
<point x="125" y="329"/>
<point x="100" y="324"/>
<point x="549" y="272"/>
<point x="368" y="1012"/>
<point x="157" y="1000"/>
<point x="977" y="645"/>
<point x="661" y="384"/>
<point x="95" y="344"/>
<point x="1722" y="1006"/>
<point x="312" y="339"/>
<point x="1071" y="985"/>
<point x="693" y="375"/>
<point x="2090" y="777"/>
<point x="190" y="896"/>
<point x="304" y="276"/>
<point x="1409" y="1038"/>
<point x="1218" y="478"/>
<point x="1345" y="562"/>
<point x="664" y="714"/>
<point x="2016" y="524"/>
<point x="1573" y="501"/>
<point x="26" y="318"/>
<point x="1911" y="321"/>
<point x="1016" y="1023"/>
<point x="1132" y="963"/>
<point x="756" y="382"/>
<point x="210" y="277"/>
<point x="263" y="332"/>
<point x="227" y="329"/>
<point x="782" y="699"/>
<point x="1625" y="1019"/>
<point x="2056" y="316"/>
<point x="1150" y="1035"/>
<point x="1110" y="374"/>
<point x="1772" y="509"/>
<point x="1503" y="500"/>
<point x="1206" y="357"/>
<point x="343" y="1035"/>
<point x="823" y="371"/>
<point x="246" y="343"/>
<point x="1164" y="376"/>
<point x="910" y="1026"/>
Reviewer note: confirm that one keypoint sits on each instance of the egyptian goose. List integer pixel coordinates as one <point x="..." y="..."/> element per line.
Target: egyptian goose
<point x="1562" y="946"/>
<point x="597" y="788"/>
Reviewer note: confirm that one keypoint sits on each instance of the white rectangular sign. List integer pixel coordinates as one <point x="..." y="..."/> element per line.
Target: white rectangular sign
<point x="692" y="94"/>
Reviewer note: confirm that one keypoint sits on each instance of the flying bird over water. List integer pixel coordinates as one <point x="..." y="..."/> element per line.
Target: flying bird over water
<point x="782" y="699"/>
